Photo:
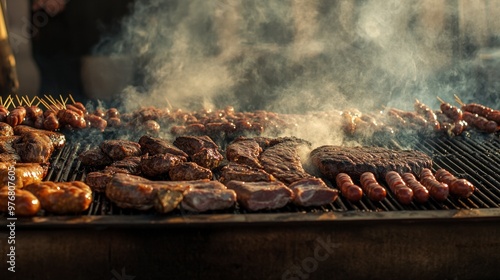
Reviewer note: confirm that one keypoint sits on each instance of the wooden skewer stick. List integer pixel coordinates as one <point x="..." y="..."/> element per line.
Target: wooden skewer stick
<point x="47" y="106"/>
<point x="459" y="101"/>
<point x="25" y="100"/>
<point x="63" y="101"/>
<point x="72" y="100"/>
<point x="440" y="100"/>
<point x="34" y="100"/>
<point x="19" y="102"/>
<point x="53" y="101"/>
<point x="11" y="102"/>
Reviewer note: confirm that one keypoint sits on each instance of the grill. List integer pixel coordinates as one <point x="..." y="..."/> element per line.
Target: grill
<point x="455" y="239"/>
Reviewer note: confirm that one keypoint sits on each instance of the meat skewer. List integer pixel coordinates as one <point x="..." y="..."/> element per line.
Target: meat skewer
<point x="403" y="193"/>
<point x="371" y="187"/>
<point x="452" y="112"/>
<point x="427" y="112"/>
<point x="458" y="187"/>
<point x="347" y="187"/>
<point x="483" y="111"/>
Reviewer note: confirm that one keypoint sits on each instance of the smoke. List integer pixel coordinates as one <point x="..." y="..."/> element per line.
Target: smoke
<point x="293" y="56"/>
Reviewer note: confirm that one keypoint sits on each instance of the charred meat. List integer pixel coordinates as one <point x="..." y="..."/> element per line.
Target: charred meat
<point x="158" y="165"/>
<point x="186" y="171"/>
<point x="120" y="149"/>
<point x="153" y="146"/>
<point x="244" y="151"/>
<point x="95" y="157"/>
<point x="245" y="173"/>
<point x="256" y="196"/>
<point x="34" y="147"/>
<point x="201" y="149"/>
<point x="62" y="197"/>
<point x="312" y="192"/>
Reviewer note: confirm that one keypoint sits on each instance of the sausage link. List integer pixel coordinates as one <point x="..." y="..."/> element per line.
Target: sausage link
<point x="451" y="111"/>
<point x="51" y="122"/>
<point x="25" y="203"/>
<point x="96" y="122"/>
<point x="371" y="187"/>
<point x="347" y="187"/>
<point x="402" y="192"/>
<point x="16" y="116"/>
<point x="459" y="187"/>
<point x="420" y="193"/>
<point x="437" y="190"/>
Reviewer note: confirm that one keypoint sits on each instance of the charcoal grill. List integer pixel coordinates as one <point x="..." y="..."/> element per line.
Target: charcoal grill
<point x="455" y="239"/>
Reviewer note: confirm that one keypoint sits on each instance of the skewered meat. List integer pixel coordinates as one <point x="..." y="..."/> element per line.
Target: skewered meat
<point x="437" y="190"/>
<point x="25" y="203"/>
<point x="452" y="112"/>
<point x="347" y="187"/>
<point x="98" y="180"/>
<point x="23" y="173"/>
<point x="188" y="171"/>
<point x="129" y="165"/>
<point x="112" y="113"/>
<point x="158" y="165"/>
<point x="371" y="187"/>
<point x="6" y="129"/>
<point x="398" y="187"/>
<point x="71" y="118"/>
<point x="34" y="116"/>
<point x="245" y="173"/>
<point x="208" y="195"/>
<point x="95" y="157"/>
<point x="283" y="160"/>
<point x="312" y="192"/>
<point x="420" y="193"/>
<point x="96" y="122"/>
<point x="57" y="139"/>
<point x="51" y="122"/>
<point x="34" y="147"/>
<point x="153" y="146"/>
<point x="16" y="116"/>
<point x="331" y="160"/>
<point x="480" y="123"/>
<point x="120" y="149"/>
<point x="244" y="151"/>
<point x="256" y="196"/>
<point x="3" y="113"/>
<point x="429" y="115"/>
<point x="201" y="149"/>
<point x="62" y="197"/>
<point x="459" y="187"/>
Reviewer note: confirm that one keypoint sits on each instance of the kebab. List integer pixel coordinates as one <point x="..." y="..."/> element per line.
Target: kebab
<point x="455" y="115"/>
<point x="479" y="116"/>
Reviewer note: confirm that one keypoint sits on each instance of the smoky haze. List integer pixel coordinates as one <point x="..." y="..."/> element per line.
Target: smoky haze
<point x="291" y="56"/>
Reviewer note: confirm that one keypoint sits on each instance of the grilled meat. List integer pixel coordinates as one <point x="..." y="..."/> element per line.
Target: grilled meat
<point x="167" y="200"/>
<point x="6" y="129"/>
<point x="57" y="139"/>
<point x="208" y="195"/>
<point x="332" y="160"/>
<point x="26" y="204"/>
<point x="153" y="146"/>
<point x="158" y="165"/>
<point x="256" y="196"/>
<point x="129" y="165"/>
<point x="62" y="197"/>
<point x="245" y="173"/>
<point x="7" y="151"/>
<point x="34" y="147"/>
<point x="283" y="161"/>
<point x="120" y="149"/>
<point x="201" y="149"/>
<point x="312" y="192"/>
<point x="95" y="157"/>
<point x="188" y="171"/>
<point x="23" y="173"/>
<point x="98" y="180"/>
<point x="244" y="151"/>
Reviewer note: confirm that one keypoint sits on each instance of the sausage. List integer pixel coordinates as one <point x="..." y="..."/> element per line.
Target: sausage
<point x="479" y="122"/>
<point x="431" y="117"/>
<point x="51" y="122"/>
<point x="96" y="122"/>
<point x="112" y="113"/>
<point x="371" y="187"/>
<point x="347" y="187"/>
<point x="25" y="203"/>
<point x="459" y="127"/>
<point x="420" y="193"/>
<point x="75" y="109"/>
<point x="16" y="116"/>
<point x="402" y="192"/>
<point x="451" y="111"/>
<point x="72" y="118"/>
<point x="478" y="109"/>
<point x="437" y="190"/>
<point x="114" y="122"/>
<point x="80" y="106"/>
<point x="459" y="187"/>
<point x="62" y="197"/>
<point x="494" y="116"/>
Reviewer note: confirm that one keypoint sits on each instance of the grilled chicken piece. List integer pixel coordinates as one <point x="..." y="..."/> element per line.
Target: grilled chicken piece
<point x="187" y="171"/>
<point x="120" y="149"/>
<point x="153" y="146"/>
<point x="312" y="192"/>
<point x="26" y="204"/>
<point x="24" y="173"/>
<point x="201" y="149"/>
<point x="95" y="157"/>
<point x="6" y="129"/>
<point x="244" y="151"/>
<point x="34" y="147"/>
<point x="57" y="139"/>
<point x="245" y="173"/>
<point x="62" y="197"/>
<point x="256" y="196"/>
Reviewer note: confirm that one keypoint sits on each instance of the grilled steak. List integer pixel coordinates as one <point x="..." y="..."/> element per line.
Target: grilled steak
<point x="95" y="157"/>
<point x="244" y="151"/>
<point x="283" y="160"/>
<point x="245" y="173"/>
<point x="201" y="149"/>
<point x="129" y="165"/>
<point x="186" y="171"/>
<point x="98" y="180"/>
<point x="153" y="146"/>
<point x="120" y="149"/>
<point x="62" y="197"/>
<point x="331" y="160"/>
<point x="256" y="196"/>
<point x="312" y="192"/>
<point x="57" y="139"/>
<point x="34" y="147"/>
<point x="208" y="195"/>
<point x="157" y="165"/>
<point x="6" y="129"/>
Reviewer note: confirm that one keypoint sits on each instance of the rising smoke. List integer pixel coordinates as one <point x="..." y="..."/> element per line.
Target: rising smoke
<point x="291" y="56"/>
